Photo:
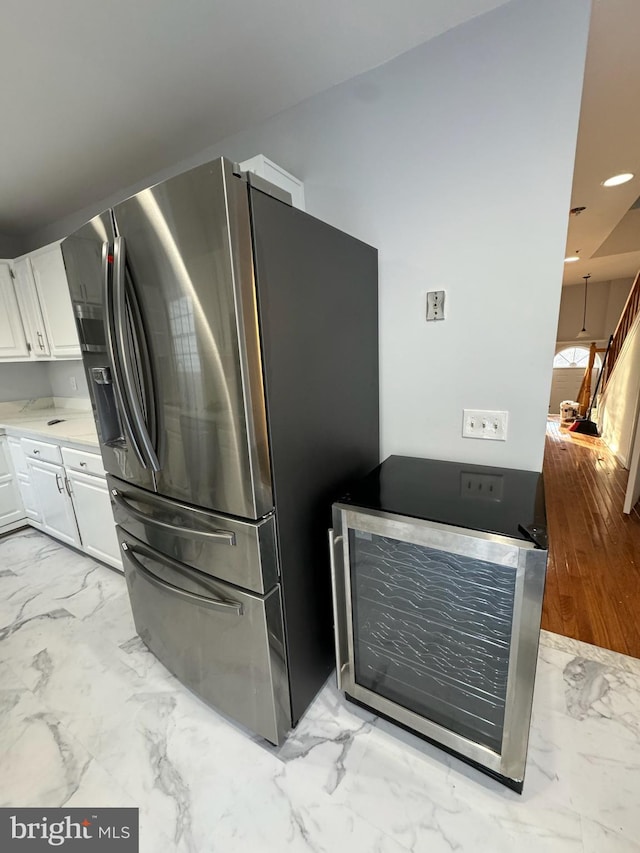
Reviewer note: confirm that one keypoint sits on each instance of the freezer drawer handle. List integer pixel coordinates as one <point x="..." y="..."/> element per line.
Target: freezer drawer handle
<point x="218" y="535"/>
<point x="211" y="603"/>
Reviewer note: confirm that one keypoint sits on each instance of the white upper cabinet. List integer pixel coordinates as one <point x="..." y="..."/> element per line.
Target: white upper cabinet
<point x="32" y="319"/>
<point x="13" y="343"/>
<point x="276" y="175"/>
<point x="50" y="279"/>
<point x="36" y="315"/>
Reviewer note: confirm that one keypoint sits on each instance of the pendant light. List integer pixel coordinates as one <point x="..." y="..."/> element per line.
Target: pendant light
<point x="582" y="334"/>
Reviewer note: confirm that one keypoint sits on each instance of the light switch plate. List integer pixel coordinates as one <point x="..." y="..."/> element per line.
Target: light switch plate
<point x="478" y="423"/>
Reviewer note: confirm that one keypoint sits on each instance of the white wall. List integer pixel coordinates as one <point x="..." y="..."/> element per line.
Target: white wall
<point x="632" y="492"/>
<point x="619" y="407"/>
<point x="23" y="381"/>
<point x="29" y="380"/>
<point x="455" y="160"/>
<point x="618" y="293"/>
<point x="60" y="374"/>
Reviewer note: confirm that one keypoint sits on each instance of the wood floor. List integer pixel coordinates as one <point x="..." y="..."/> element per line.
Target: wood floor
<point x="593" y="579"/>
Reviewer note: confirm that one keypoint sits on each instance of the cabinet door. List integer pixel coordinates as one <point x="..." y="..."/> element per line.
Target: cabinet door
<point x="11" y="509"/>
<point x="18" y="459"/>
<point x="54" y="503"/>
<point x="13" y="343"/>
<point x="95" y="519"/>
<point x="31" y="506"/>
<point x="29" y="305"/>
<point x="23" y="481"/>
<point x="53" y="292"/>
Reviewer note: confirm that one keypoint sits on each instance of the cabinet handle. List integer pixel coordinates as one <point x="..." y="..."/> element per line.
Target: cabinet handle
<point x="83" y="464"/>
<point x="68" y="485"/>
<point x="40" y="340"/>
<point x="36" y="453"/>
<point x="60" y="489"/>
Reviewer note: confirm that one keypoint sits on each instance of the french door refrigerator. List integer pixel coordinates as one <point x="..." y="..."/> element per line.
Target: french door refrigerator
<point x="230" y="346"/>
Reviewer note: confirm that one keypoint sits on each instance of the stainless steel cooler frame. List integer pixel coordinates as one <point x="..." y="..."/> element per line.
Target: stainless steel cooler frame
<point x="529" y="565"/>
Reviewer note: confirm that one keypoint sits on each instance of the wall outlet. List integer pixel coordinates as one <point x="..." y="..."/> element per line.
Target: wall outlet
<point x="486" y="487"/>
<point x="435" y="305"/>
<point x="73" y="382"/>
<point x="477" y="423"/>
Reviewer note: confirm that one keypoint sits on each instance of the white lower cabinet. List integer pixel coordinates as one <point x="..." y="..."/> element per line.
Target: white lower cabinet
<point x="54" y="501"/>
<point x="97" y="528"/>
<point x="31" y="508"/>
<point x="12" y="512"/>
<point x="60" y="490"/>
<point x="23" y="479"/>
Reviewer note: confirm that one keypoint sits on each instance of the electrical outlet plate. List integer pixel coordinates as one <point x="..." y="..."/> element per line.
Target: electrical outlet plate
<point x="435" y="305"/>
<point x="479" y="423"/>
<point x="484" y="487"/>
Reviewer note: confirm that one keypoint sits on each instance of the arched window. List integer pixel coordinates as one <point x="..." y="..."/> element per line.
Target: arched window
<point x="575" y="357"/>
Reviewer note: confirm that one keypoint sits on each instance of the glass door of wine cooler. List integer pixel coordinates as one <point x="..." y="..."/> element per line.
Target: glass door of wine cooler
<point x="437" y="627"/>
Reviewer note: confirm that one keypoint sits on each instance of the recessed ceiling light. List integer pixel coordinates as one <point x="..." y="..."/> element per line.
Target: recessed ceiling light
<point x="571" y="259"/>
<point x="616" y="180"/>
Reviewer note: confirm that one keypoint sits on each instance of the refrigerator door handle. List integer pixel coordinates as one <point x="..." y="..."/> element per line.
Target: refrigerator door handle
<point x="225" y="536"/>
<point x="120" y="314"/>
<point x="212" y="603"/>
<point x="115" y="378"/>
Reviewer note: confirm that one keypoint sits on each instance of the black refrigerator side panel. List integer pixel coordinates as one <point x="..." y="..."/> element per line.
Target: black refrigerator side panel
<point x="318" y="307"/>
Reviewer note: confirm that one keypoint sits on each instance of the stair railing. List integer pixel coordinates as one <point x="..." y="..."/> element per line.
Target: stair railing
<point x="629" y="314"/>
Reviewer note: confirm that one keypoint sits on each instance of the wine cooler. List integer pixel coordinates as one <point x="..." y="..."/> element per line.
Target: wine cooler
<point x="438" y="574"/>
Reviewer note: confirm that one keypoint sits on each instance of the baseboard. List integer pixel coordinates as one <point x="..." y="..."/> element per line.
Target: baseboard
<point x="15" y="525"/>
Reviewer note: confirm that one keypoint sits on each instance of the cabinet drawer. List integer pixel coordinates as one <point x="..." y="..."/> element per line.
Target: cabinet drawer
<point x="222" y="642"/>
<point x="41" y="450"/>
<point x="82" y="460"/>
<point x="240" y="552"/>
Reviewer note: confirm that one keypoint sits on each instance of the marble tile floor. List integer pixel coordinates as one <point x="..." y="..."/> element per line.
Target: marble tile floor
<point x="88" y="717"/>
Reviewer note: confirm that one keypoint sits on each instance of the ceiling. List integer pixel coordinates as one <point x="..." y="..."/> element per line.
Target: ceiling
<point x="607" y="233"/>
<point x="98" y="95"/>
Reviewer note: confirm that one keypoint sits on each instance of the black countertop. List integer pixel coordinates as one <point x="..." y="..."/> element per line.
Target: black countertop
<point x="503" y="501"/>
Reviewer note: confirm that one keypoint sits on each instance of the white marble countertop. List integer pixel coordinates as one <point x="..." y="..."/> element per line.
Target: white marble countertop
<point x="29" y="418"/>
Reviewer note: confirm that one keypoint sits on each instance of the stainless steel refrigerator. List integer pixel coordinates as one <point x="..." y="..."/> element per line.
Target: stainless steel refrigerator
<point x="230" y="344"/>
